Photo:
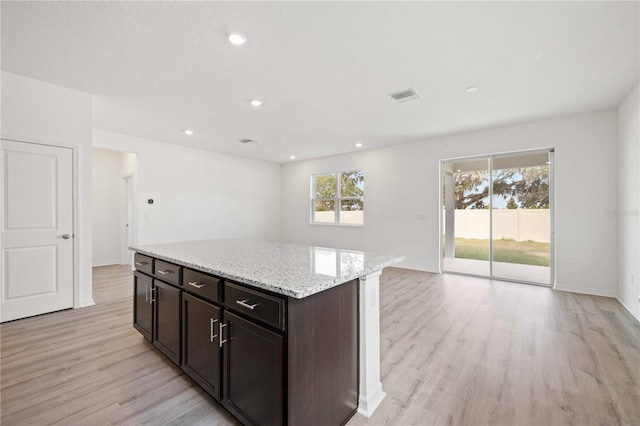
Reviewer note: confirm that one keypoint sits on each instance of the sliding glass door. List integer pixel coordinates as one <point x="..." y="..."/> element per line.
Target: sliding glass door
<point x="497" y="216"/>
<point x="466" y="230"/>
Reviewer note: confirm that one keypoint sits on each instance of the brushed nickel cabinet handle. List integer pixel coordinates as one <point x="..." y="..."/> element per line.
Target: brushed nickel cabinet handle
<point x="165" y="272"/>
<point x="196" y="285"/>
<point x="246" y="305"/>
<point x="141" y="263"/>
<point x="220" y="341"/>
<point x="151" y="299"/>
<point x="146" y="292"/>
<point x="213" y="336"/>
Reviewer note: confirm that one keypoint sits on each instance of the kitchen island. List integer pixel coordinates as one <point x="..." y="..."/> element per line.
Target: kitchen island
<point x="278" y="333"/>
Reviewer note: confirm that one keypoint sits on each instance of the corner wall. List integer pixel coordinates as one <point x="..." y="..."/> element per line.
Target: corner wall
<point x="39" y="112"/>
<point x="402" y="196"/>
<point x="629" y="201"/>
<point x="198" y="194"/>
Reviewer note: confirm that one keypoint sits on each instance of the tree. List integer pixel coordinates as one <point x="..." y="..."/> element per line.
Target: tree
<point x="511" y="204"/>
<point x="326" y="188"/>
<point x="528" y="186"/>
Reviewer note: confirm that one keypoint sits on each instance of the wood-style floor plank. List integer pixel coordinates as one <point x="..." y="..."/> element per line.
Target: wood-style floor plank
<point x="454" y="350"/>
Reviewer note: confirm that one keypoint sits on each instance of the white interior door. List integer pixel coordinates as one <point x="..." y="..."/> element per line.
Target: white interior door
<point x="37" y="229"/>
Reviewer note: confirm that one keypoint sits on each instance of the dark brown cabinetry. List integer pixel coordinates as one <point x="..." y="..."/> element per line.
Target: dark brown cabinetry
<point x="253" y="371"/>
<point x="144" y="263"/>
<point x="201" y="343"/>
<point x="166" y="315"/>
<point x="202" y="285"/>
<point x="142" y="307"/>
<point x="269" y="359"/>
<point x="156" y="307"/>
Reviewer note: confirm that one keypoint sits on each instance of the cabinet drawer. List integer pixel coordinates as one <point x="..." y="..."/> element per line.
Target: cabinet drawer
<point x="255" y="304"/>
<point x="144" y="263"/>
<point x="201" y="284"/>
<point x="168" y="272"/>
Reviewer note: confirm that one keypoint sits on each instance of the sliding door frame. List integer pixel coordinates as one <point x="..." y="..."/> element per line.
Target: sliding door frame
<point x="552" y="214"/>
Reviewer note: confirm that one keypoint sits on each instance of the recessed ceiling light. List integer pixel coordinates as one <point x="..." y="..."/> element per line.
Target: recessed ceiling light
<point x="237" y="39"/>
<point x="256" y="102"/>
<point x="472" y="89"/>
<point x="358" y="145"/>
<point x="292" y="157"/>
<point x="458" y="170"/>
<point x="188" y="132"/>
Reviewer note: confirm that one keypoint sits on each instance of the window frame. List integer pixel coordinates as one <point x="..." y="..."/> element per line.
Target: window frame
<point x="336" y="200"/>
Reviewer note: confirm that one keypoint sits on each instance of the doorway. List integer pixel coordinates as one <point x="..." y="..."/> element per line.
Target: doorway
<point x="497" y="216"/>
<point x="114" y="211"/>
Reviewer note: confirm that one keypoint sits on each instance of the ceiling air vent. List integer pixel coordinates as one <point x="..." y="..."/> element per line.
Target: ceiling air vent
<point x="405" y="95"/>
<point x="247" y="141"/>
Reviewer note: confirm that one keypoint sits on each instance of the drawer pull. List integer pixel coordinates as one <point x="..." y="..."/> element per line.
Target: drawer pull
<point x="246" y="305"/>
<point x="220" y="341"/>
<point x="165" y="272"/>
<point x="213" y="336"/>
<point x="141" y="263"/>
<point x="196" y="285"/>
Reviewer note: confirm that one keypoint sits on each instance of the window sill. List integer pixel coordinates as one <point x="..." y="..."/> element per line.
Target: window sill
<point x="338" y="224"/>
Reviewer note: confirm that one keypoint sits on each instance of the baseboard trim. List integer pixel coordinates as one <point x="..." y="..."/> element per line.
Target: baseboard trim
<point x="107" y="263"/>
<point x="582" y="290"/>
<point x="403" y="265"/>
<point x="636" y="315"/>
<point x="86" y="303"/>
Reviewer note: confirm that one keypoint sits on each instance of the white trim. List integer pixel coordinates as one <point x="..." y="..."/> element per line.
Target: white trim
<point x="589" y="291"/>
<point x="440" y="216"/>
<point x="124" y="199"/>
<point x="636" y="315"/>
<point x="552" y="240"/>
<point x="105" y="263"/>
<point x="336" y="200"/>
<point x="76" y="151"/>
<point x="370" y="386"/>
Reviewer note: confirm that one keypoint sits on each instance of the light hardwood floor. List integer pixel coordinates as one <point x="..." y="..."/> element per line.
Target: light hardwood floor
<point x="455" y="350"/>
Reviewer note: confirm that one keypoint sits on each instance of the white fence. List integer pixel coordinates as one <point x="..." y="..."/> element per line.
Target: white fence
<point x="346" y="217"/>
<point x="516" y="224"/>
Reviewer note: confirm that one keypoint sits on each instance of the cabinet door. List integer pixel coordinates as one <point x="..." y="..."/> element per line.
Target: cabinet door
<point x="253" y="371"/>
<point x="166" y="324"/>
<point x="142" y="308"/>
<point x="201" y="343"/>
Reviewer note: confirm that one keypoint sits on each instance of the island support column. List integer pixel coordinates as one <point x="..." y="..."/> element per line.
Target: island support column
<point x="371" y="393"/>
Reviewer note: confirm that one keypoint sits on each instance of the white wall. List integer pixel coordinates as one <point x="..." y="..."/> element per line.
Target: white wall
<point x="629" y="201"/>
<point x="402" y="187"/>
<point x="108" y="204"/>
<point x="199" y="194"/>
<point x="34" y="111"/>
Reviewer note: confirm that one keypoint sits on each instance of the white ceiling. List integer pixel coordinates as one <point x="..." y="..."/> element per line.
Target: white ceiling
<point x="323" y="69"/>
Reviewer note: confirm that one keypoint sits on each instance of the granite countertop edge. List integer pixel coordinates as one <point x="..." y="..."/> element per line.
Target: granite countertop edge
<point x="330" y="283"/>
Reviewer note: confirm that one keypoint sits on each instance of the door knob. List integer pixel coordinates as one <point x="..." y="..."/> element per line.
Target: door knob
<point x="66" y="236"/>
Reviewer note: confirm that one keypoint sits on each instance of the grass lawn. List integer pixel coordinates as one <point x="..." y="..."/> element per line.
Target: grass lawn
<point x="509" y="251"/>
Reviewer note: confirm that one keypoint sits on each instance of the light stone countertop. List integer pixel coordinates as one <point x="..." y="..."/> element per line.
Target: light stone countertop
<point x="288" y="269"/>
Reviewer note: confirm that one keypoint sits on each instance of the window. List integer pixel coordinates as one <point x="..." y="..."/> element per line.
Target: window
<point x="338" y="198"/>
